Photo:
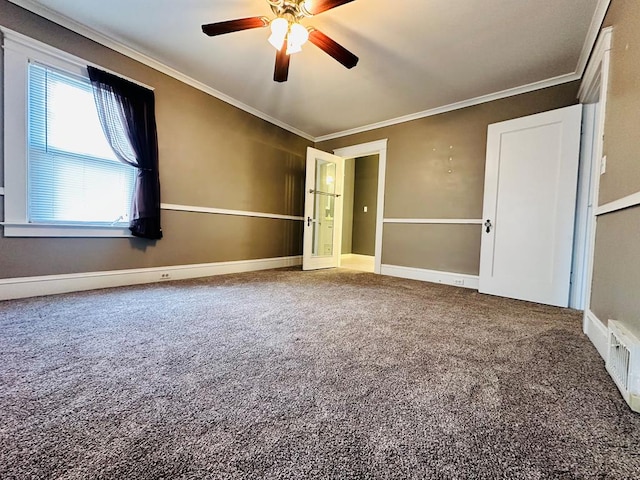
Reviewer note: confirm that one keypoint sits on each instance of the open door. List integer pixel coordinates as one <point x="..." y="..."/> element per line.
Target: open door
<point x="323" y="210"/>
<point x="529" y="203"/>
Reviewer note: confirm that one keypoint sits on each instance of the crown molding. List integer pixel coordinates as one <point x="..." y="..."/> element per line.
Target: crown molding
<point x="570" y="77"/>
<point x="587" y="48"/>
<point x="589" y="91"/>
<point x="120" y="47"/>
<point x="592" y="35"/>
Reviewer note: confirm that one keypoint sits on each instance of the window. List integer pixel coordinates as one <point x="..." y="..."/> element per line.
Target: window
<point x="61" y="176"/>
<point x="73" y="174"/>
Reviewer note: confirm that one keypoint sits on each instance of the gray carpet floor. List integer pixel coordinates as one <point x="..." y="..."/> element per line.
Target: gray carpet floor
<point x="293" y="375"/>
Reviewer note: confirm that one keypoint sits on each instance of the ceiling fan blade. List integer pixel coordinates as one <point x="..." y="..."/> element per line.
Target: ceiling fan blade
<point x="331" y="47"/>
<point x="281" y="71"/>
<point x="230" y="26"/>
<point x="315" y="7"/>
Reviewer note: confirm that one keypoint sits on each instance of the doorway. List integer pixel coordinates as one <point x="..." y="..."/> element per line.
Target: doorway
<point x="360" y="213"/>
<point x="371" y="149"/>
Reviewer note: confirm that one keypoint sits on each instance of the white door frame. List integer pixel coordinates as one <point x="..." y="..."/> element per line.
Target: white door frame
<point x="379" y="148"/>
<point x="593" y="89"/>
<point x="584" y="208"/>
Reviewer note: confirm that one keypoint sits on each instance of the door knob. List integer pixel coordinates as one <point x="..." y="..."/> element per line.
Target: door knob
<point x="488" y="225"/>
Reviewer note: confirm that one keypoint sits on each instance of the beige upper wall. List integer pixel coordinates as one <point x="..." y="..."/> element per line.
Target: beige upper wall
<point x="211" y="155"/>
<point x="616" y="273"/>
<point x="622" y="128"/>
<point x="419" y="184"/>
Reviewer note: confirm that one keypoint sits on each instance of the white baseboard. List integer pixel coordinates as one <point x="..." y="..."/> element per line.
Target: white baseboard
<point x="435" y="276"/>
<point x="75" y="282"/>
<point x="597" y="333"/>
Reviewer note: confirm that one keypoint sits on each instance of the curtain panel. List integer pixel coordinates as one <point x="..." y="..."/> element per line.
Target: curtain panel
<point x="127" y="116"/>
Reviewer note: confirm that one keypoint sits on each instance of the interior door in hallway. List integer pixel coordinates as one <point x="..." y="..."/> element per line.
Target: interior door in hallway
<point x="529" y="206"/>
<point x="323" y="210"/>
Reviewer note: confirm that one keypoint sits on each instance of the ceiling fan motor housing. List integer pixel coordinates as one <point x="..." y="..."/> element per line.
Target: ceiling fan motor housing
<point x="293" y="9"/>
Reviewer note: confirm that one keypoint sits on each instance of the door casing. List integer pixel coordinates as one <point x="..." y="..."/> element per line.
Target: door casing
<point x="379" y="148"/>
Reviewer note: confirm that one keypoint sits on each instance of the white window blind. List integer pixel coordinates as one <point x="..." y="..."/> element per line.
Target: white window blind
<point x="73" y="175"/>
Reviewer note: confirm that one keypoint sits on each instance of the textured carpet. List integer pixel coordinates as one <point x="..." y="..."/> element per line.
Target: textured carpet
<point x="292" y="375"/>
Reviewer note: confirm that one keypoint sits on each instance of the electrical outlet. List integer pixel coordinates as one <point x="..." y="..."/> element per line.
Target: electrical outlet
<point x="458" y="281"/>
<point x="165" y="276"/>
<point x="365" y="209"/>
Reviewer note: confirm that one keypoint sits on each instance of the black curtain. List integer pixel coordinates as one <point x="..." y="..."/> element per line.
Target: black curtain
<point x="127" y="115"/>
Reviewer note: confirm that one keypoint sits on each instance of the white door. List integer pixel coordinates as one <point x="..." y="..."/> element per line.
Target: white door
<point x="529" y="205"/>
<point x="323" y="210"/>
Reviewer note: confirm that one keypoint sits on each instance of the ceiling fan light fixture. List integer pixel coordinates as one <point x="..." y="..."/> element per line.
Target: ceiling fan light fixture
<point x="287" y="31"/>
<point x="279" y="29"/>
<point x="298" y="36"/>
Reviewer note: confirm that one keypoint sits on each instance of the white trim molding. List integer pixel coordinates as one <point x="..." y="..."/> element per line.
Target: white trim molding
<point x="11" y="288"/>
<point x="590" y="87"/>
<point x="63" y="230"/>
<point x="120" y="47"/>
<point x="594" y="89"/>
<point x="27" y="45"/>
<point x="378" y="147"/>
<point x="433" y="276"/>
<point x="436" y="221"/>
<point x="19" y="229"/>
<point x="597" y="333"/>
<point x="224" y="211"/>
<point x="19" y="51"/>
<point x="592" y="34"/>
<point x="620" y="204"/>
<point x="570" y="77"/>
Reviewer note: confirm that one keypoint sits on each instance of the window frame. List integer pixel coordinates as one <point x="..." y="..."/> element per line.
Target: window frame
<point x="19" y="52"/>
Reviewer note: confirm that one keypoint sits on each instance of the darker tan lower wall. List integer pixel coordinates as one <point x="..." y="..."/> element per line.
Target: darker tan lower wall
<point x="449" y="248"/>
<point x="194" y="238"/>
<point x="435" y="169"/>
<point x="211" y="155"/>
<point x="616" y="273"/>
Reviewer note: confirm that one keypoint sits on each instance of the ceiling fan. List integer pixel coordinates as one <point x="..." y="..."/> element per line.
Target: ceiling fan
<point x="287" y="33"/>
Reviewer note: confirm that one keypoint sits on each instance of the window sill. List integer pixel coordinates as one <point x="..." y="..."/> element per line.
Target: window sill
<point x="62" y="230"/>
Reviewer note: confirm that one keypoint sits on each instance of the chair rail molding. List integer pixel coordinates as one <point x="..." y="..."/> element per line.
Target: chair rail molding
<point x="620" y="204"/>
<point x="436" y="221"/>
<point x="225" y="211"/>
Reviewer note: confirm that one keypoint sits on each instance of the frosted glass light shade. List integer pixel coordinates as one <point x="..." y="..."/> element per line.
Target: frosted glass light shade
<point x="298" y="35"/>
<point x="279" y="29"/>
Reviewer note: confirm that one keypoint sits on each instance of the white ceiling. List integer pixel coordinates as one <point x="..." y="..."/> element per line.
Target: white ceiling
<point x="416" y="56"/>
